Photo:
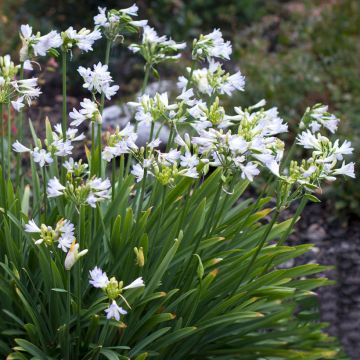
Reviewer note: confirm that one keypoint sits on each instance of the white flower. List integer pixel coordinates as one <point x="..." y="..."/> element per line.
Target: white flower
<point x="98" y="80"/>
<point x="156" y="49"/>
<point x="249" y="171"/>
<point x="344" y="149"/>
<point x="63" y="148"/>
<point x="84" y="38"/>
<point x="54" y="188"/>
<point x="31" y="227"/>
<point x="34" y="45"/>
<point x="190" y="172"/>
<point x="138" y="172"/>
<point x="89" y="110"/>
<point x="42" y="157"/>
<point x="346" y="169"/>
<point x="100" y="190"/>
<point x="18" y="104"/>
<point x="19" y="147"/>
<point x="132" y="10"/>
<point x="135" y="284"/>
<point x="212" y="45"/>
<point x="73" y="255"/>
<point x="47" y="42"/>
<point x="65" y="242"/>
<point x="188" y="160"/>
<point x="114" y="311"/>
<point x="98" y="278"/>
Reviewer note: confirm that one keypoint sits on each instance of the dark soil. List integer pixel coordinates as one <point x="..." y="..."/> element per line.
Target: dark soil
<point x="337" y="244"/>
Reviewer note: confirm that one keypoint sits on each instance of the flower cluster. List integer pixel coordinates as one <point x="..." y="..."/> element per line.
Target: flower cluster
<point x="167" y="167"/>
<point x="113" y="290"/>
<point x="318" y="116"/>
<point x="156" y="49"/>
<point x="98" y="80"/>
<point x="83" y="39"/>
<point x="77" y="189"/>
<point x="114" y="23"/>
<point x="62" y="235"/>
<point x="89" y="111"/>
<point x="150" y="109"/>
<point x="213" y="80"/>
<point x="58" y="146"/>
<point x="323" y="163"/>
<point x="120" y="142"/>
<point x="18" y="92"/>
<point x="211" y="46"/>
<point x="36" y="45"/>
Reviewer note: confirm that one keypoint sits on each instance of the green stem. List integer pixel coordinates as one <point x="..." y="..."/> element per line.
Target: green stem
<point x="19" y="129"/>
<point x="2" y="160"/>
<point x="102" y="102"/>
<point x="142" y="195"/>
<point x="45" y="195"/>
<point x="2" y="136"/>
<point x="9" y="139"/>
<point x="146" y="78"/>
<point x="260" y="246"/>
<point x="107" y="59"/>
<point x="205" y="230"/>
<point x="113" y="178"/>
<point x="288" y="231"/>
<point x="143" y="88"/>
<point x="99" y="143"/>
<point x="64" y="94"/>
<point x="78" y="283"/>
<point x="68" y="315"/>
<point x="92" y="150"/>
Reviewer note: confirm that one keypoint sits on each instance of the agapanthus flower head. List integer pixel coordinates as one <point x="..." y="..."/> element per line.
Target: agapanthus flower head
<point x="150" y="109"/>
<point x="79" y="190"/>
<point x="83" y="39"/>
<point x="89" y="111"/>
<point x="120" y="142"/>
<point x="62" y="235"/>
<point x="324" y="162"/>
<point x="36" y="44"/>
<point x="213" y="80"/>
<point x="210" y="46"/>
<point x="16" y="92"/>
<point x="98" y="80"/>
<point x="317" y="117"/>
<point x="114" y="23"/>
<point x="156" y="49"/>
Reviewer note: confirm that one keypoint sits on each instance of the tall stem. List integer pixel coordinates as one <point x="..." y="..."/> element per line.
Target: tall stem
<point x="2" y="158"/>
<point x="286" y="234"/>
<point x="64" y="94"/>
<point x="146" y="78"/>
<point x="143" y="88"/>
<point x="19" y="129"/>
<point x="2" y="136"/>
<point x="92" y="150"/>
<point x="9" y="139"/>
<point x="102" y="102"/>
<point x="45" y="195"/>
<point x="68" y="315"/>
<point x="78" y="284"/>
<point x="142" y="195"/>
<point x="261" y="245"/>
<point x="113" y="177"/>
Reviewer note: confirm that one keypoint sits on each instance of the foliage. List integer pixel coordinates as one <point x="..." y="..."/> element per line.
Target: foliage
<point x="167" y="257"/>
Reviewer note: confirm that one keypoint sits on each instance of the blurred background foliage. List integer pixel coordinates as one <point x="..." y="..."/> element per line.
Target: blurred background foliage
<point x="293" y="53"/>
